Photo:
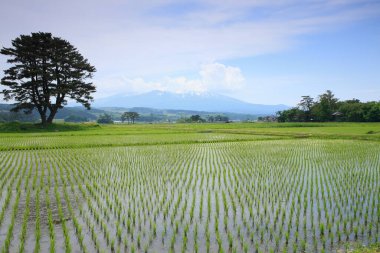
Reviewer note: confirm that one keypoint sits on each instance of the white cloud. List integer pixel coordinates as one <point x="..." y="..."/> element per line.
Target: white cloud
<point x="182" y="85"/>
<point x="115" y="85"/>
<point x="213" y="77"/>
<point x="126" y="39"/>
<point x="161" y="37"/>
<point x="216" y="76"/>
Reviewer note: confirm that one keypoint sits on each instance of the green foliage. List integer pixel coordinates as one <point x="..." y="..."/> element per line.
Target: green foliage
<point x="105" y="119"/>
<point x="130" y="117"/>
<point x="217" y="118"/>
<point x="75" y="119"/>
<point x="8" y="116"/>
<point x="324" y="109"/>
<point x="306" y="105"/>
<point x="45" y="72"/>
<point x="192" y="119"/>
<point x="329" y="108"/>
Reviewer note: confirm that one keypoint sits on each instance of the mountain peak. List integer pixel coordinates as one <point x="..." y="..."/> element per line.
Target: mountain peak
<point x="206" y="101"/>
<point x="182" y="93"/>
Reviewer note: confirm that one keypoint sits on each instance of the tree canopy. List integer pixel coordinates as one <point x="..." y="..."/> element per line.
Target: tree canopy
<point x="329" y="108"/>
<point x="45" y="72"/>
<point x="105" y="119"/>
<point x="130" y="117"/>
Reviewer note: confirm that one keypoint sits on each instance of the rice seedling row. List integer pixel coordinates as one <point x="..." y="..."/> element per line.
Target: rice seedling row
<point x="251" y="196"/>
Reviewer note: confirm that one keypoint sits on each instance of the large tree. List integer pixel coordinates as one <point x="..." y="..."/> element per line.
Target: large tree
<point x="45" y="72"/>
<point x="306" y="104"/>
<point x="130" y="117"/>
<point x="326" y="106"/>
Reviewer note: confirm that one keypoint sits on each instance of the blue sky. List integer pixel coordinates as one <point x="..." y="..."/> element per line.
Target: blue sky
<point x="269" y="52"/>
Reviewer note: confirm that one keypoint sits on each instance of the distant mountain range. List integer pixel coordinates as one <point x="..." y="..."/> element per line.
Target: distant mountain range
<point x="157" y="106"/>
<point x="188" y="101"/>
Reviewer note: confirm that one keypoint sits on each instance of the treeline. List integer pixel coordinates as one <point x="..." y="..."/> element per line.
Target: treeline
<point x="198" y="119"/>
<point x="14" y="116"/>
<point x="328" y="108"/>
<point x="69" y="114"/>
<point x="130" y="117"/>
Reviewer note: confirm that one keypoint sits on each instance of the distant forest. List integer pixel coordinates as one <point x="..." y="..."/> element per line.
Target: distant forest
<point x="328" y="108"/>
<point x="146" y="115"/>
<point x="70" y="114"/>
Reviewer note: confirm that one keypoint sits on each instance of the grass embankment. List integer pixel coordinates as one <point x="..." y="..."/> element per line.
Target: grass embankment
<point x="364" y="131"/>
<point x="16" y="127"/>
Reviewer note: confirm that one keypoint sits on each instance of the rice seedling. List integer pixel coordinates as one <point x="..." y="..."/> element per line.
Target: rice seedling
<point x="227" y="196"/>
<point x="25" y="223"/>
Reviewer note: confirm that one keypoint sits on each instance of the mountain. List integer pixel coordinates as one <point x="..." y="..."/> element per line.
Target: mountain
<point x="188" y="101"/>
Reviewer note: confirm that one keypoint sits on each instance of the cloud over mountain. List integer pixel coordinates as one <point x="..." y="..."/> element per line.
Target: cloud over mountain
<point x="212" y="77"/>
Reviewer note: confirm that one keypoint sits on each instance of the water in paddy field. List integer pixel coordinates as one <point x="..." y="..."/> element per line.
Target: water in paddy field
<point x="249" y="196"/>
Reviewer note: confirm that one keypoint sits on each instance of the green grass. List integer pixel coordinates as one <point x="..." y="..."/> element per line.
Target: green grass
<point x="370" y="131"/>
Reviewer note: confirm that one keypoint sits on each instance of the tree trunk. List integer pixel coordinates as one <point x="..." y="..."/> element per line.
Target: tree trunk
<point x="51" y="116"/>
<point x="43" y="119"/>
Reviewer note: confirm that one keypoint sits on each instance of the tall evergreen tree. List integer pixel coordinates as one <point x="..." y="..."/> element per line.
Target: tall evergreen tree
<point x="45" y="72"/>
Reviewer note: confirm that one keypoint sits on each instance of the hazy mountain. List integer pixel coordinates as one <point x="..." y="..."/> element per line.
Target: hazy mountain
<point x="188" y="101"/>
